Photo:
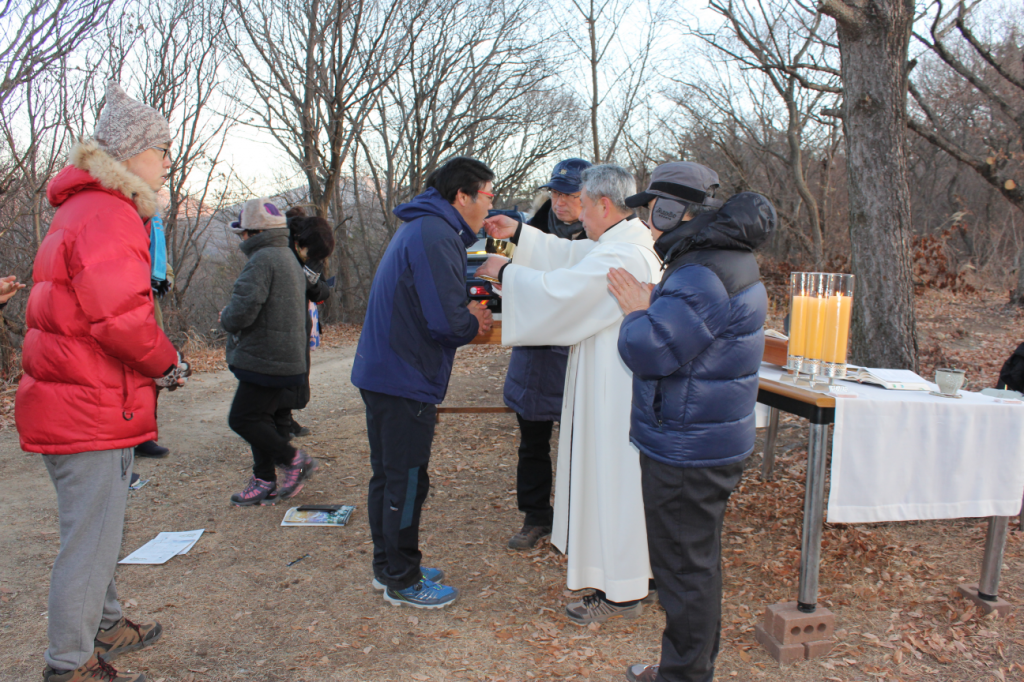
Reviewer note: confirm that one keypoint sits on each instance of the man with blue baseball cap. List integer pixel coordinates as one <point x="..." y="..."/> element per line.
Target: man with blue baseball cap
<point x="536" y="374"/>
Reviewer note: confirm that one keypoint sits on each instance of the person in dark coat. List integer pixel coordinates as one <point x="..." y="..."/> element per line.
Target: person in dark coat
<point x="311" y="240"/>
<point x="536" y="374"/>
<point x="266" y="351"/>
<point x="694" y="345"/>
<point x="418" y="313"/>
<point x="1011" y="376"/>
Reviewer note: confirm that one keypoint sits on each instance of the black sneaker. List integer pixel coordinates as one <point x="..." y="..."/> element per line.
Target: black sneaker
<point x="150" y="449"/>
<point x="528" y="537"/>
<point x="298" y="430"/>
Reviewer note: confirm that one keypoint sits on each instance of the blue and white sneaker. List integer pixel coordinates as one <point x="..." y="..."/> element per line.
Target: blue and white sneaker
<point x="425" y="594"/>
<point x="434" y="575"/>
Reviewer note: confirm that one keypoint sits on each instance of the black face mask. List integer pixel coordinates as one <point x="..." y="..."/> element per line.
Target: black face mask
<point x="667" y="214"/>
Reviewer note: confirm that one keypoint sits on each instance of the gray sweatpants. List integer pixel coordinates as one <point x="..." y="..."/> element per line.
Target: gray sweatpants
<point x="92" y="490"/>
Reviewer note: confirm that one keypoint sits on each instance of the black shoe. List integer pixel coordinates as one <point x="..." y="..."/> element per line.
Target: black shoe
<point x="298" y="430"/>
<point x="150" y="449"/>
<point x="528" y="537"/>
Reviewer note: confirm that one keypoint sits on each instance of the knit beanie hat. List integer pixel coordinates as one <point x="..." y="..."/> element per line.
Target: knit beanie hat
<point x="127" y="127"/>
<point x="259" y="214"/>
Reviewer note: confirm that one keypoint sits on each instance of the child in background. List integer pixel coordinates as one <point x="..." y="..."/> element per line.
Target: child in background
<point x="311" y="240"/>
<point x="266" y="351"/>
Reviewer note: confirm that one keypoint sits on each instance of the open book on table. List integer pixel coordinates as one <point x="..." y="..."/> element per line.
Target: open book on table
<point x="895" y="379"/>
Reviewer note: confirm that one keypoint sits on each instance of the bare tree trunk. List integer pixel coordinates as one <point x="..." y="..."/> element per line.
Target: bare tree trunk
<point x="595" y="101"/>
<point x="1017" y="295"/>
<point x="796" y="164"/>
<point x="873" y="42"/>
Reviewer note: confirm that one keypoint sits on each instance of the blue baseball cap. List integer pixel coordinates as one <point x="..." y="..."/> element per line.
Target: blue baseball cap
<point x="565" y="178"/>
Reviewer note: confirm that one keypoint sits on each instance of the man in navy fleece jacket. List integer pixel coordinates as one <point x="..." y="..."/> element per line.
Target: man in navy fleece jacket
<point x="417" y="315"/>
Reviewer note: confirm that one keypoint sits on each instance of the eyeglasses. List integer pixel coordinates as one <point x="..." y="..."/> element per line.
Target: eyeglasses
<point x="486" y="194"/>
<point x="165" y="150"/>
<point x="559" y="196"/>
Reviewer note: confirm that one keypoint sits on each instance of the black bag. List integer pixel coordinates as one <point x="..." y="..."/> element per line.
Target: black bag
<point x="1011" y="376"/>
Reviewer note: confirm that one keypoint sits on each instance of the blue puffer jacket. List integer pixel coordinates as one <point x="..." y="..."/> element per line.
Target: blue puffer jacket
<point x="536" y="374"/>
<point x="696" y="351"/>
<point x="417" y="316"/>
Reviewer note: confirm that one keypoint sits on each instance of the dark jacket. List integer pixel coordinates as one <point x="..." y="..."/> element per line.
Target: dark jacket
<point x="536" y="374"/>
<point x="417" y="316"/>
<point x="266" y="314"/>
<point x="696" y="351"/>
<point x="1011" y="376"/>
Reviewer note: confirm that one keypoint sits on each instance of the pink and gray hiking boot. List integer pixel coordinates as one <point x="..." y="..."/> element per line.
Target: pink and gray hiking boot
<point x="257" y="492"/>
<point x="294" y="475"/>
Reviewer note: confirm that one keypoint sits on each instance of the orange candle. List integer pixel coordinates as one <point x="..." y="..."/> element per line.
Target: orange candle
<point x="837" y="328"/>
<point x="798" y="325"/>
<point x="814" y="338"/>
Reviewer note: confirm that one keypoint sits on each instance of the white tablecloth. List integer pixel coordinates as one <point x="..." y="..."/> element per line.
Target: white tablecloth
<point x="908" y="455"/>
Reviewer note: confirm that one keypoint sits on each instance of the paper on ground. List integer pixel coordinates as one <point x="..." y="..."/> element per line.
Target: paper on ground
<point x="164" y="546"/>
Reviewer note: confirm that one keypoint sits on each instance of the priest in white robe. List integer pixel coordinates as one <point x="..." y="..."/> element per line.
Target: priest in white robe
<point x="555" y="292"/>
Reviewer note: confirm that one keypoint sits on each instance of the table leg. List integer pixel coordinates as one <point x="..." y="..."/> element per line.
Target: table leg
<point x="986" y="593"/>
<point x="995" y="543"/>
<point x="814" y="512"/>
<point x="768" y="460"/>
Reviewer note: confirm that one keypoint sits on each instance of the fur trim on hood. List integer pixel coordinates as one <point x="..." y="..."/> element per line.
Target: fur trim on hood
<point x="86" y="155"/>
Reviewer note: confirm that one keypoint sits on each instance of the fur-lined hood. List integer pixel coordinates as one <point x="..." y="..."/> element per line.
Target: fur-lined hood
<point x="93" y="168"/>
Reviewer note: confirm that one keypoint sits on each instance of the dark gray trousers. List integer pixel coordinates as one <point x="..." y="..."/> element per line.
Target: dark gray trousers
<point x="685" y="509"/>
<point x="92" y="491"/>
<point x="400" y="431"/>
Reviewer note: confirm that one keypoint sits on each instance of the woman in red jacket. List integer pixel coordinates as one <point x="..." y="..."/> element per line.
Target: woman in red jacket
<point x="90" y="357"/>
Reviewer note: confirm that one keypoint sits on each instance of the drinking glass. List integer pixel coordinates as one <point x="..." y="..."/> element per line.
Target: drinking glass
<point x="838" y="309"/>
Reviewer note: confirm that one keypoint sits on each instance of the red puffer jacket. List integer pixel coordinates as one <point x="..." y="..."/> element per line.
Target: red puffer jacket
<point x="92" y="345"/>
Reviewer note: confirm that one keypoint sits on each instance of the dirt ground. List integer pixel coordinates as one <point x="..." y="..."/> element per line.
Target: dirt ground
<point x="233" y="610"/>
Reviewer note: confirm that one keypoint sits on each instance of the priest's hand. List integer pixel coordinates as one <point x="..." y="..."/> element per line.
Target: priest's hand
<point x="479" y="310"/>
<point x="491" y="267"/>
<point x="631" y="294"/>
<point x="501" y="226"/>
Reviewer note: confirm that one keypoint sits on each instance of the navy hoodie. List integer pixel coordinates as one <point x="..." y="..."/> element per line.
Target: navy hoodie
<point x="417" y="314"/>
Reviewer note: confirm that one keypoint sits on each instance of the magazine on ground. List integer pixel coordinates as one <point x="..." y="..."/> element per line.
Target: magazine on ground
<point x="894" y="379"/>
<point x="318" y="515"/>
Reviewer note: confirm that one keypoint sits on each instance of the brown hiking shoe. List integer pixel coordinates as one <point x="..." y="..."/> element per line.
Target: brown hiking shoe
<point x="124" y="636"/>
<point x="594" y="609"/>
<point x="94" y="670"/>
<point x="528" y="537"/>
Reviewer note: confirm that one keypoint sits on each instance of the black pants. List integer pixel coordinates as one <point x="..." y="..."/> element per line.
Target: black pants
<point x="684" y="509"/>
<point x="252" y="418"/>
<point x="533" y="474"/>
<point x="400" y="432"/>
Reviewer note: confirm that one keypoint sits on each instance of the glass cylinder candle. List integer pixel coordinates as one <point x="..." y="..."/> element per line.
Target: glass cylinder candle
<point x="799" y="290"/>
<point x="814" y="327"/>
<point x="838" y="308"/>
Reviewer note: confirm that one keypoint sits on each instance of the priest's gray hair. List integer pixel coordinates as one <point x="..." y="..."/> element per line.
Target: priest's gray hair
<point x="609" y="180"/>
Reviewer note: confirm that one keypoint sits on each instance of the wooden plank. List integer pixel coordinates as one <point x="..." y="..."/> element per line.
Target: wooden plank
<point x="775" y="351"/>
<point x="471" y="410"/>
<point x="474" y="410"/>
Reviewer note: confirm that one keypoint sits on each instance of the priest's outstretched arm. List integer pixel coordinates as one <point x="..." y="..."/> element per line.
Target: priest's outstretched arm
<point x="565" y="306"/>
<point x="547" y="252"/>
